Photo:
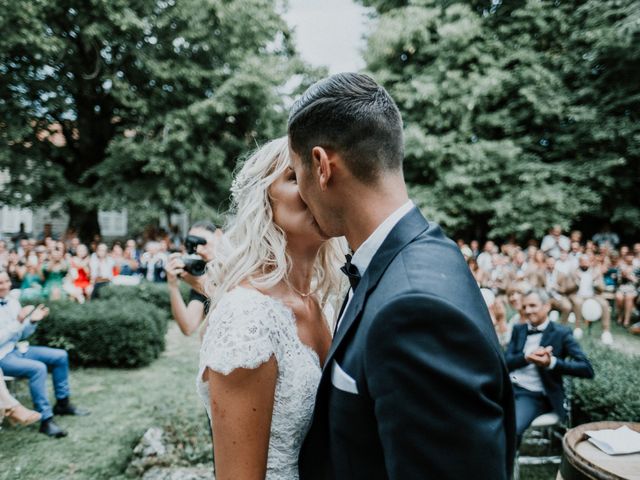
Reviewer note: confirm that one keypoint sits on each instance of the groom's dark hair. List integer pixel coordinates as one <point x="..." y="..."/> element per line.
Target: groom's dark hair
<point x="353" y="115"/>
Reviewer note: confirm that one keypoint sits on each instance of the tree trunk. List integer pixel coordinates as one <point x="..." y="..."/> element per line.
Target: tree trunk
<point x="84" y="220"/>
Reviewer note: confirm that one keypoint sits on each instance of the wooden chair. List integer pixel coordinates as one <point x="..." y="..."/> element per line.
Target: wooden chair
<point x="11" y="384"/>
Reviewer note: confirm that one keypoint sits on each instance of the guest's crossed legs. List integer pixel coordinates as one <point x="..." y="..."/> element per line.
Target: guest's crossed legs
<point x="33" y="365"/>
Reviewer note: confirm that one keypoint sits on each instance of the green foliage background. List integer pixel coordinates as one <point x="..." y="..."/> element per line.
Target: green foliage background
<point x="150" y="101"/>
<point x="613" y="394"/>
<point x="518" y="115"/>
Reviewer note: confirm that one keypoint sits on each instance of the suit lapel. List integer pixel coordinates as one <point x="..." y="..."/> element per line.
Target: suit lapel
<point x="547" y="334"/>
<point x="522" y="340"/>
<point x="408" y="228"/>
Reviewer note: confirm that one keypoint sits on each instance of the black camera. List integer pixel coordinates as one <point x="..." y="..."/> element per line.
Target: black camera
<point x="193" y="263"/>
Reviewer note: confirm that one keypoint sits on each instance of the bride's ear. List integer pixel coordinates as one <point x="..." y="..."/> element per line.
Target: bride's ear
<point x="322" y="164"/>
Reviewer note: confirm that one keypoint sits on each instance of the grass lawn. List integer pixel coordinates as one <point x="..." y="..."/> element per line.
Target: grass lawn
<point x="123" y="404"/>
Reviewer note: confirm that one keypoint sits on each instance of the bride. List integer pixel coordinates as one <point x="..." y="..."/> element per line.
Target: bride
<point x="266" y="338"/>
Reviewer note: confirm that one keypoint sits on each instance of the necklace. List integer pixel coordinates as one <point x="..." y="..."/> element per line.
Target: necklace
<point x="302" y="294"/>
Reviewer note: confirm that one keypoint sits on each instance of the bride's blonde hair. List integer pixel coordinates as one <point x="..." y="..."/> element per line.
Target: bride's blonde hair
<point x="253" y="247"/>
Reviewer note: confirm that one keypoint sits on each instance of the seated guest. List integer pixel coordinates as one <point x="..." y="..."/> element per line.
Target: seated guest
<point x="130" y="264"/>
<point x="152" y="263"/>
<point x="481" y="276"/>
<point x="559" y="285"/>
<point x="80" y="289"/>
<point x="12" y="409"/>
<point x="566" y="264"/>
<point x="590" y="285"/>
<point x="539" y="354"/>
<point x="514" y="304"/>
<point x="535" y="270"/>
<point x="32" y="362"/>
<point x="16" y="268"/>
<point x="518" y="266"/>
<point x="101" y="266"/>
<point x="485" y="259"/>
<point x="31" y="286"/>
<point x="54" y="271"/>
<point x="627" y="289"/>
<point x="553" y="243"/>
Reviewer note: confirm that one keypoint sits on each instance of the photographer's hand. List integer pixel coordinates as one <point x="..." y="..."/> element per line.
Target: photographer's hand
<point x="174" y="269"/>
<point x="187" y="316"/>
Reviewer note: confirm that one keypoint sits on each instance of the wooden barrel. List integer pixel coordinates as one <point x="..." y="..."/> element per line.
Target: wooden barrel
<point x="581" y="460"/>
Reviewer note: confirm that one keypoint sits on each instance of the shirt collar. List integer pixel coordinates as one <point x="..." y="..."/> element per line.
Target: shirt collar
<point x="364" y="254"/>
<point x="541" y="327"/>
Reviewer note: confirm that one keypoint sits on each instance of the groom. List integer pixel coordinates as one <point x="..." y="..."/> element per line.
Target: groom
<point x="414" y="385"/>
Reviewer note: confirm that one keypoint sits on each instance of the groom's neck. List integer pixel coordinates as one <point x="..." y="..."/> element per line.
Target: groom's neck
<point x="369" y="206"/>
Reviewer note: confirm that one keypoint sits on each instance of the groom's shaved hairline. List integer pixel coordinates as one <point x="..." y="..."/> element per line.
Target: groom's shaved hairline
<point x="353" y="115"/>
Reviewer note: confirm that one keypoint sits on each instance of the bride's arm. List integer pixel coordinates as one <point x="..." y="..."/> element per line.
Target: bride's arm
<point x="241" y="409"/>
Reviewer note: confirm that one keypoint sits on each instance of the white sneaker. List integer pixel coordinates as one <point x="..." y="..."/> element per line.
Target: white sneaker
<point x="606" y="338"/>
<point x="577" y="333"/>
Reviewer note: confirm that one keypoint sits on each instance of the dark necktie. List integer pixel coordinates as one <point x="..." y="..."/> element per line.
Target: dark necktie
<point x="533" y="331"/>
<point x="351" y="271"/>
<point x="3" y="302"/>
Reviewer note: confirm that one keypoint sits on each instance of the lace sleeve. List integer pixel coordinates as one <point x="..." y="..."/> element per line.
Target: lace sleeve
<point x="238" y="334"/>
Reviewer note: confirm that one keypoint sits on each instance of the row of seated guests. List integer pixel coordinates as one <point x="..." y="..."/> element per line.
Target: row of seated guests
<point x="570" y="279"/>
<point x="53" y="271"/>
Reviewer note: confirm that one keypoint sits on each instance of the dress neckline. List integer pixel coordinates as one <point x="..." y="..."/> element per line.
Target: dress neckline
<point x="292" y="317"/>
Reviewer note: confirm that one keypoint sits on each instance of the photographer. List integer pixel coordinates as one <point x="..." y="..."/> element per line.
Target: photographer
<point x="200" y="245"/>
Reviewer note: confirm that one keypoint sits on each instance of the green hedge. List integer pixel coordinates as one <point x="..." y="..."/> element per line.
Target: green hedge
<point x="116" y="332"/>
<point x="153" y="293"/>
<point x="614" y="393"/>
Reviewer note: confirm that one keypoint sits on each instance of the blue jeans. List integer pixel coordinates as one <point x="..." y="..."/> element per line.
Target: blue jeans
<point x="33" y="365"/>
<point x="529" y="405"/>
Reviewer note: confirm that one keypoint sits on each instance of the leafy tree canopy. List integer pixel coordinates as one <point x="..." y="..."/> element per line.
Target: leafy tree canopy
<point x="145" y="103"/>
<point x="517" y="115"/>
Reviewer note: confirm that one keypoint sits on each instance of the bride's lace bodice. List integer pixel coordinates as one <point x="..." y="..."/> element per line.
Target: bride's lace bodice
<point x="245" y="329"/>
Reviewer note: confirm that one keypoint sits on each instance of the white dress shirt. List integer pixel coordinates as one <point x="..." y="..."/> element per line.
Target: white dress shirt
<point x="11" y="329"/>
<point x="585" y="287"/>
<point x="528" y="377"/>
<point x="364" y="254"/>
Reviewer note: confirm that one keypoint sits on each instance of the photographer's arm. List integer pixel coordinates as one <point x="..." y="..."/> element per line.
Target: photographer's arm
<point x="188" y="317"/>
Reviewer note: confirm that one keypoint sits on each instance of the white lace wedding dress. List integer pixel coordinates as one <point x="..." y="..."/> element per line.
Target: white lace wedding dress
<point x="245" y="330"/>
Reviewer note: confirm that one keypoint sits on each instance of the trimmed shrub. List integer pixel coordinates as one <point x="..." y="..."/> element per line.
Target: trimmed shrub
<point x="116" y="332"/>
<point x="153" y="293"/>
<point x="614" y="393"/>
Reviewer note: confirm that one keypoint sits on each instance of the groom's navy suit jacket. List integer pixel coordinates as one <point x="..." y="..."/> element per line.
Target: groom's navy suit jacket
<point x="433" y="400"/>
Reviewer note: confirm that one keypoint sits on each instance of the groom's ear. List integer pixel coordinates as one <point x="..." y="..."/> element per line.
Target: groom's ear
<point x="322" y="165"/>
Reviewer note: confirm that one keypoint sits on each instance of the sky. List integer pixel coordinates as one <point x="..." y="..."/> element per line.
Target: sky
<point x="329" y="32"/>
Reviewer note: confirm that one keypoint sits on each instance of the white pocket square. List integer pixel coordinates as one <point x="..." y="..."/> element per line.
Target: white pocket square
<point x="341" y="380"/>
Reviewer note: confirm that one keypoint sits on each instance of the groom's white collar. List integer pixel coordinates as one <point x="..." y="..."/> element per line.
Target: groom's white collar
<point x="364" y="254"/>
